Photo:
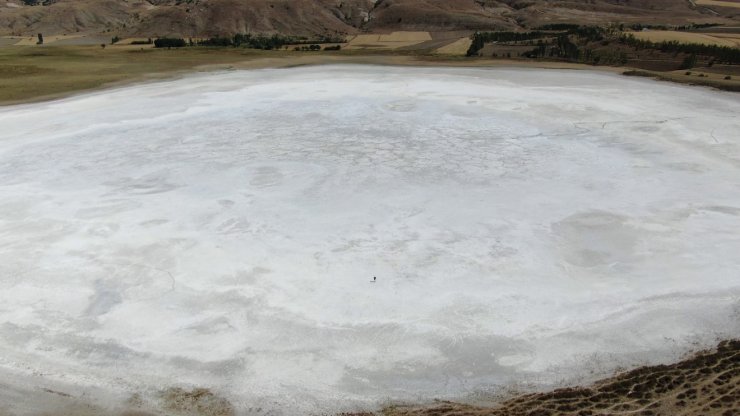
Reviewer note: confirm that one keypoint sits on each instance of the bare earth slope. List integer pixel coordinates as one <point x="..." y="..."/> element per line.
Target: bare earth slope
<point x="185" y="18"/>
<point x="307" y="17"/>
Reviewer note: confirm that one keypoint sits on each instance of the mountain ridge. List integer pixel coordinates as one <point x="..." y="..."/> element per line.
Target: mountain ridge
<point x="334" y="17"/>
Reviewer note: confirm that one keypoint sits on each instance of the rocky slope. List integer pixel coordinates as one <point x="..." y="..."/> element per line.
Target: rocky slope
<point x="313" y="17"/>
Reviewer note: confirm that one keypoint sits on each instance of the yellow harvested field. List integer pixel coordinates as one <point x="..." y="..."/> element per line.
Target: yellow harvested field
<point x="393" y="40"/>
<point x="722" y="39"/>
<point x="458" y="47"/>
<point x="734" y="37"/>
<point x="718" y="3"/>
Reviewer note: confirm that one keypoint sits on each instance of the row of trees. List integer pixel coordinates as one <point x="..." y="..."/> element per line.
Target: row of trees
<point x="621" y="26"/>
<point x="169" y="43"/>
<point x="239" y="40"/>
<point x="721" y="54"/>
<point x="563" y="47"/>
<point x="693" y="26"/>
<point x="585" y="33"/>
<point x="558" y="26"/>
<point x="575" y="44"/>
<point x="247" y="40"/>
<point x="481" y="38"/>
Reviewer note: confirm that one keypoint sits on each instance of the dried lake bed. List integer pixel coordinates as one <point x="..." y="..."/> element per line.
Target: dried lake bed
<point x="526" y="227"/>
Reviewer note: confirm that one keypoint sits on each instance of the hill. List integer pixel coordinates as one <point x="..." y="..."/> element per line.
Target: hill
<point x="332" y="17"/>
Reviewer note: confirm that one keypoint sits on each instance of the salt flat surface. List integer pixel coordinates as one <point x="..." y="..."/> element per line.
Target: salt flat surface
<point x="221" y="231"/>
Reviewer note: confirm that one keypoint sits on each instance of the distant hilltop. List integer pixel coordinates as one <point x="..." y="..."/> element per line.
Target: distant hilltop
<point x="187" y="18"/>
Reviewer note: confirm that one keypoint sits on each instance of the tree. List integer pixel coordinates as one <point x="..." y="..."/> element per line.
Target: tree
<point x="688" y="62"/>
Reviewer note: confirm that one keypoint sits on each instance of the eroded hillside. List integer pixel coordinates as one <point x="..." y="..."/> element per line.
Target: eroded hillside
<point x="330" y="17"/>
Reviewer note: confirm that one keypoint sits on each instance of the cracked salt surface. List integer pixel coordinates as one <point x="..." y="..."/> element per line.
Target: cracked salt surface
<point x="526" y="226"/>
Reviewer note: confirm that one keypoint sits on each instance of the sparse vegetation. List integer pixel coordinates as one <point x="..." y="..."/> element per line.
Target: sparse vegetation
<point x="576" y="44"/>
<point x="481" y="38"/>
<point x="264" y="42"/>
<point x="596" y="45"/>
<point x="312" y="48"/>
